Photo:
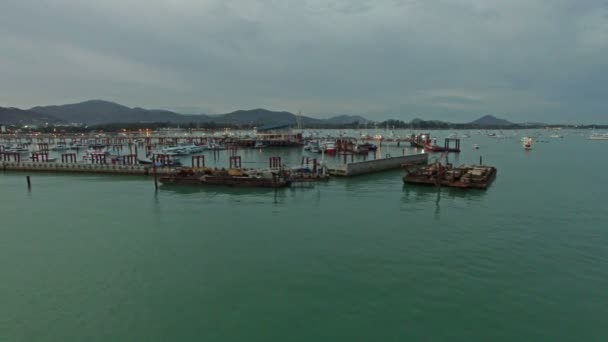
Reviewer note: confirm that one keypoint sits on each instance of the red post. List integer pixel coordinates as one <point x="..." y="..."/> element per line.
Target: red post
<point x="235" y="162"/>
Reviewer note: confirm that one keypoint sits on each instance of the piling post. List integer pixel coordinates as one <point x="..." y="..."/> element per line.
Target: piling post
<point x="480" y="161"/>
<point x="154" y="172"/>
<point x="29" y="183"/>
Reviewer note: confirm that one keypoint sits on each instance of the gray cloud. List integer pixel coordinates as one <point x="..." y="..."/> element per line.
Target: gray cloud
<point x="444" y="59"/>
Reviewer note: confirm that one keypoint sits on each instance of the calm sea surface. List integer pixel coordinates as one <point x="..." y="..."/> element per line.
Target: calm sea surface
<point x="101" y="258"/>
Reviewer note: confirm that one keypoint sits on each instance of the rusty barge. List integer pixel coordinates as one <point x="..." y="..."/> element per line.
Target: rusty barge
<point x="465" y="177"/>
<point x="230" y="177"/>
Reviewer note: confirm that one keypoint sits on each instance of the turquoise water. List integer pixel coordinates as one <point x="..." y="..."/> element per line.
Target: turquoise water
<point x="98" y="258"/>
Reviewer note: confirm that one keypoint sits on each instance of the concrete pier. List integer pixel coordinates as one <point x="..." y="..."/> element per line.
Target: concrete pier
<point x="142" y="170"/>
<point x="377" y="165"/>
<point x="345" y="170"/>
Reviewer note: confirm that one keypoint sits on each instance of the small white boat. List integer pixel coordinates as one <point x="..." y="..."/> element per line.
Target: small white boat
<point x="314" y="147"/>
<point x="173" y="151"/>
<point x="76" y="146"/>
<point x="598" y="136"/>
<point x="527" y="144"/>
<point x="59" y="147"/>
<point x="17" y="149"/>
<point x="476" y="146"/>
<point x="192" y="149"/>
<point x="144" y="161"/>
<point x="259" y="144"/>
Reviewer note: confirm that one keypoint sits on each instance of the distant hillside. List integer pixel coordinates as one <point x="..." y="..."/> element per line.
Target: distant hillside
<point x="346" y="119"/>
<point x="100" y="112"/>
<point x="491" y="121"/>
<point x="96" y="112"/>
<point x="16" y="116"/>
<point x="259" y="117"/>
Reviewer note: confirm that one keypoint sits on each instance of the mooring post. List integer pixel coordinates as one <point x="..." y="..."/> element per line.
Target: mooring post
<point x="480" y="163"/>
<point x="29" y="183"/>
<point x="154" y="171"/>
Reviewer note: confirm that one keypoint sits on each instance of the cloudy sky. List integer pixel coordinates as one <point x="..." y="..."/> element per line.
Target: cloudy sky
<point x="525" y="60"/>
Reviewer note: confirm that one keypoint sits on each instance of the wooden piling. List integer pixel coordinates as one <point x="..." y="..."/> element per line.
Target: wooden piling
<point x="154" y="171"/>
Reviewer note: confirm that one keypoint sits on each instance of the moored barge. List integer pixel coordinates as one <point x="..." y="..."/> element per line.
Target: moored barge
<point x="230" y="177"/>
<point x="466" y="177"/>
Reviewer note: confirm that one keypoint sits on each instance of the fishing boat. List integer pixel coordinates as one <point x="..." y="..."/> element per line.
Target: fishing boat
<point x="365" y="147"/>
<point x="420" y="140"/>
<point x="476" y="146"/>
<point x="329" y="147"/>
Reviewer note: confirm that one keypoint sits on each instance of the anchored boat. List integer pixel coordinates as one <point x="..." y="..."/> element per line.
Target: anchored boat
<point x="527" y="143"/>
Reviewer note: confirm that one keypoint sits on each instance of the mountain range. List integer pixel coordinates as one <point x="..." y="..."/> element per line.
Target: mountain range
<point x="99" y="112"/>
<point x="16" y="116"/>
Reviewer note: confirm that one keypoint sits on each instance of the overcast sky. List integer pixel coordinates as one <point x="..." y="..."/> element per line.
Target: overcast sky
<point x="525" y="60"/>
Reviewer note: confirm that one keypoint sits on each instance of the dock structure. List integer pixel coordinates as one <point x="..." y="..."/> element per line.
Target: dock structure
<point x="377" y="165"/>
<point x="27" y="166"/>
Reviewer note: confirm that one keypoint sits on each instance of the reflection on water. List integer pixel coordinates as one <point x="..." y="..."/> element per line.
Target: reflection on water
<point x="425" y="193"/>
<point x="415" y="196"/>
<point x="437" y="207"/>
<point x="217" y="189"/>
